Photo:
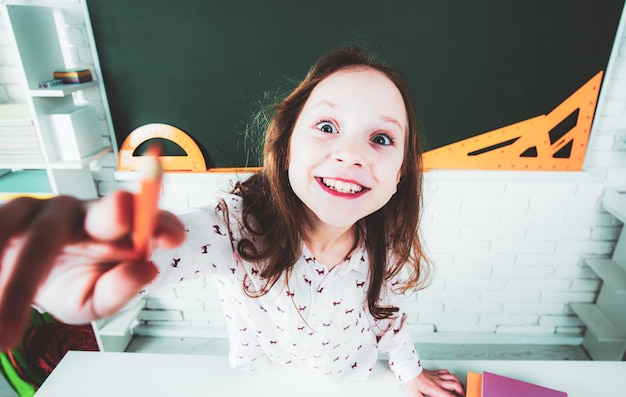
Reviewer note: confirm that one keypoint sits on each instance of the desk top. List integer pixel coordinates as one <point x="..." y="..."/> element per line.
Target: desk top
<point x="97" y="374"/>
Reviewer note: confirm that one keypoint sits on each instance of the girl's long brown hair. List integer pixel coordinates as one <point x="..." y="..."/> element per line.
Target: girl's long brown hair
<point x="275" y="218"/>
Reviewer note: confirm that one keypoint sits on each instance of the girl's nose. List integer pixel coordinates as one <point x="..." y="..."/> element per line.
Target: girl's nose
<point x="349" y="153"/>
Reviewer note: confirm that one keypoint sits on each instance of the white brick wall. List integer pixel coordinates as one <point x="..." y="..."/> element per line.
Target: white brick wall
<point x="508" y="245"/>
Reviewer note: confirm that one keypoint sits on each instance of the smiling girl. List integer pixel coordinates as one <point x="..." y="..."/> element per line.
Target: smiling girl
<point x="308" y="254"/>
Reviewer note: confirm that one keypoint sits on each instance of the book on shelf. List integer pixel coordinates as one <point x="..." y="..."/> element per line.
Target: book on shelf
<point x="73" y="76"/>
<point x="18" y="139"/>
<point x="489" y="384"/>
<point x="19" y="144"/>
<point x="51" y="83"/>
<point x="14" y="114"/>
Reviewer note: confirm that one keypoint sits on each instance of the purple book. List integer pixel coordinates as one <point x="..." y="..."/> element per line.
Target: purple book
<point x="501" y="386"/>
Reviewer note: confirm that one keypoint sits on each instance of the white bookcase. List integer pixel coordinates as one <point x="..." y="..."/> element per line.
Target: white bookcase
<point x="34" y="159"/>
<point x="31" y="162"/>
<point x="605" y="338"/>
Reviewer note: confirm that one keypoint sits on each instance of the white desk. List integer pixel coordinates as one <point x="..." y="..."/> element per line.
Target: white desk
<point x="95" y="374"/>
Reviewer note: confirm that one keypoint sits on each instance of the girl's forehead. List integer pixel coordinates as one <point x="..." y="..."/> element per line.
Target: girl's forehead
<point x="360" y="86"/>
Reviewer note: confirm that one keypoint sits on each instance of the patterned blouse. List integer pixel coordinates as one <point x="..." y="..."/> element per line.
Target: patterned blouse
<point x="317" y="319"/>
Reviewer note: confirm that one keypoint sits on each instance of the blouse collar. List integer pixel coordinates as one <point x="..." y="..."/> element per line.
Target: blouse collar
<point x="357" y="259"/>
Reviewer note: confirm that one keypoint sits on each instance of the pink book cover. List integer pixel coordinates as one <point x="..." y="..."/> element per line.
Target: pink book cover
<point x="501" y="386"/>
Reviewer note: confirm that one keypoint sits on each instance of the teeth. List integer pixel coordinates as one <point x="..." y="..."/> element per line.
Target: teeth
<point x="343" y="187"/>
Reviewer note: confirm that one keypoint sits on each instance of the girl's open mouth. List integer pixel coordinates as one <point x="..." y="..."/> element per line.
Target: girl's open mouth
<point x="341" y="186"/>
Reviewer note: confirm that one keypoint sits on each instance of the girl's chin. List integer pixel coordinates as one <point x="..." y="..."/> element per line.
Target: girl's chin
<point x="336" y="221"/>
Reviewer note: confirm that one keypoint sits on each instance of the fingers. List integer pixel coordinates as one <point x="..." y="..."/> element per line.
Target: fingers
<point x="440" y="383"/>
<point x="110" y="218"/>
<point x="80" y="291"/>
<point x="14" y="215"/>
<point x="170" y="232"/>
<point x="26" y="261"/>
<point x="119" y="285"/>
<point x="35" y="233"/>
<point x="450" y="382"/>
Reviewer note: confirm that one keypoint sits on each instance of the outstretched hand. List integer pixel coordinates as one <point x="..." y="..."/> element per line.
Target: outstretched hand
<point x="439" y="383"/>
<point x="72" y="258"/>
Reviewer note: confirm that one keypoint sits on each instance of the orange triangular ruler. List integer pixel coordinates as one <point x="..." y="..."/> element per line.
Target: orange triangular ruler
<point x="552" y="142"/>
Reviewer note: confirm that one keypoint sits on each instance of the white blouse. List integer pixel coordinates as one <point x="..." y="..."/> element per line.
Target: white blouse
<point x="317" y="319"/>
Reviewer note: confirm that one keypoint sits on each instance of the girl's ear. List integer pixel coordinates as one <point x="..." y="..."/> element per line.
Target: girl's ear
<point x="399" y="176"/>
<point x="398" y="181"/>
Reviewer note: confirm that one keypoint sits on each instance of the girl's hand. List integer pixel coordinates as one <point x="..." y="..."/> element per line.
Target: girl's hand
<point x="439" y="383"/>
<point x="72" y="258"/>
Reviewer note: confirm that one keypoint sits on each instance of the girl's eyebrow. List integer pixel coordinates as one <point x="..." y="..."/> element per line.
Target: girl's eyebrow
<point x="392" y="120"/>
<point x="384" y="118"/>
<point x="327" y="103"/>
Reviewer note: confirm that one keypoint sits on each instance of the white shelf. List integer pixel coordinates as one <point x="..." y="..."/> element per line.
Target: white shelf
<point x="16" y="165"/>
<point x="114" y="333"/>
<point x="62" y="139"/>
<point x="33" y="183"/>
<point x="61" y="91"/>
<point x="610" y="272"/>
<point x="68" y="165"/>
<point x="58" y="165"/>
<point x="614" y="201"/>
<point x="605" y="338"/>
<point x="602" y="326"/>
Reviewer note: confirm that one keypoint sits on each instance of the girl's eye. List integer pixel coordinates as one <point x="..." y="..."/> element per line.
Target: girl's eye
<point x="382" y="139"/>
<point x="327" y="126"/>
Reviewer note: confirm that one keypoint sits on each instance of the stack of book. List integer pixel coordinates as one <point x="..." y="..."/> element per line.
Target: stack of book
<point x="489" y="384"/>
<point x="73" y="76"/>
<point x="18" y="138"/>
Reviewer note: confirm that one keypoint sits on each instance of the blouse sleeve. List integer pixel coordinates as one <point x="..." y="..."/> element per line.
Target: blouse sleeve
<point x="208" y="247"/>
<point x="395" y="342"/>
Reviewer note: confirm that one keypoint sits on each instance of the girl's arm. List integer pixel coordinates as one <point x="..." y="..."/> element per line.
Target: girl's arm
<point x="395" y="341"/>
<point x="72" y="258"/>
<point x="210" y="244"/>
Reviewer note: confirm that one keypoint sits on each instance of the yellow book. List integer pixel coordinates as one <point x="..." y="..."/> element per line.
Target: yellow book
<point x="60" y="73"/>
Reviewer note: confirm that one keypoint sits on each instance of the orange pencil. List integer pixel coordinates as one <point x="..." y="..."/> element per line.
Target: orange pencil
<point x="147" y="202"/>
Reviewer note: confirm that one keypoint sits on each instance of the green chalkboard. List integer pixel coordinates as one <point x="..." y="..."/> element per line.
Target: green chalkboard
<point x="473" y="66"/>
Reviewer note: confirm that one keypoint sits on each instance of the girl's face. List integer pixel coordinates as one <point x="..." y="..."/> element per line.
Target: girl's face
<point x="347" y="146"/>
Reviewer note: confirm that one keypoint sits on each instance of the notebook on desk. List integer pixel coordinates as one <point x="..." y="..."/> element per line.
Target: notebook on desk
<point x="501" y="386"/>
